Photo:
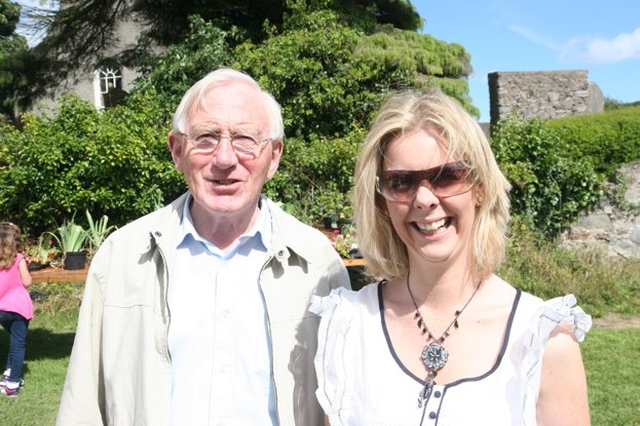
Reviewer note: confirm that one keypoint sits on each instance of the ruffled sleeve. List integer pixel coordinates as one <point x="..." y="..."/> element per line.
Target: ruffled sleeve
<point x="334" y="356"/>
<point x="560" y="311"/>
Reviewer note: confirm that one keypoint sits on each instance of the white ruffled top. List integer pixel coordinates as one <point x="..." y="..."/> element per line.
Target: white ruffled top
<point x="361" y="382"/>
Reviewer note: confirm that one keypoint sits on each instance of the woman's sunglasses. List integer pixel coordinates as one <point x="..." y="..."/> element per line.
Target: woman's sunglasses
<point x="448" y="180"/>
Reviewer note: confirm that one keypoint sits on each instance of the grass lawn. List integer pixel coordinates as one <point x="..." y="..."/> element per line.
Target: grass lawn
<point x="610" y="356"/>
<point x="49" y="345"/>
<point x="612" y="362"/>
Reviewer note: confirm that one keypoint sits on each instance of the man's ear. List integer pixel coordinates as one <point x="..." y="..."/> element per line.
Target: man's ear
<point x="277" y="147"/>
<point x="174" y="142"/>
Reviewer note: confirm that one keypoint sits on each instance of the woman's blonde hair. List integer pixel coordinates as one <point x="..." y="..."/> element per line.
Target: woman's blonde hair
<point x="385" y="253"/>
<point x="10" y="244"/>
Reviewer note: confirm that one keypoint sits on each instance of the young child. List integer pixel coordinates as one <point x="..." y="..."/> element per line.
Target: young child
<point x="16" y="307"/>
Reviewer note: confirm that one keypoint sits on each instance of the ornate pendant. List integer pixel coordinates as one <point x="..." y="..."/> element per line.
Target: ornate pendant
<point x="425" y="393"/>
<point x="434" y="356"/>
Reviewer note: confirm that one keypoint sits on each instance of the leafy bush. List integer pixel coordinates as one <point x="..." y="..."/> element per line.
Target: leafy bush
<point x="549" y="188"/>
<point x="114" y="162"/>
<point x="607" y="140"/>
<point x="313" y="73"/>
<point x="315" y="177"/>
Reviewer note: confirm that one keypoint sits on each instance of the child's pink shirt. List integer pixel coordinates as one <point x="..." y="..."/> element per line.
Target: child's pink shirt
<point x="13" y="296"/>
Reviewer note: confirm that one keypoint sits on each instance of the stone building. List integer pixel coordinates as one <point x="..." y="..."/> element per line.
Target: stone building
<point x="543" y="94"/>
<point x="107" y="84"/>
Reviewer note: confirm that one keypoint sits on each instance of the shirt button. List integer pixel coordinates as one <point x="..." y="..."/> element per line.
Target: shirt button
<point x="432" y="415"/>
<point x="437" y="394"/>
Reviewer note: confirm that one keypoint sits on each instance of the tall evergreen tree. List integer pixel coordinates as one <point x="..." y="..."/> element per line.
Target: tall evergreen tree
<point x="13" y="48"/>
<point x="81" y="31"/>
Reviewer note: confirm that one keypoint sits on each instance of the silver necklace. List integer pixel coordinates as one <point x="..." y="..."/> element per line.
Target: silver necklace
<point x="434" y="355"/>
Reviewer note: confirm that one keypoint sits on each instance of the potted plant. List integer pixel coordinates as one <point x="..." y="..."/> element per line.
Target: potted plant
<point x="346" y="217"/>
<point x="97" y="232"/>
<point x="71" y="238"/>
<point x="344" y="242"/>
<point x="40" y="252"/>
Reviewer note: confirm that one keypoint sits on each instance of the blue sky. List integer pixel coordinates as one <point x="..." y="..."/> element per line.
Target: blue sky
<point x="517" y="35"/>
<point x="32" y="38"/>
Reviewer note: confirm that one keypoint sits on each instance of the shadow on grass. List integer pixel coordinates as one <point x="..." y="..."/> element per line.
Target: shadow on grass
<point x="41" y="344"/>
<point x="46" y="344"/>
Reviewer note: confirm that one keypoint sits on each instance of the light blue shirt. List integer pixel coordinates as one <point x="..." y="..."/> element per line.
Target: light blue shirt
<point x="218" y="337"/>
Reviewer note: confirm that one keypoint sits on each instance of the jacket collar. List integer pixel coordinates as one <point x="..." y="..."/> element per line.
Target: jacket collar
<point x="285" y="237"/>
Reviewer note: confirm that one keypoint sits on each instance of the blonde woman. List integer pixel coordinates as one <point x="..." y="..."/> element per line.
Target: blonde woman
<point x="440" y="339"/>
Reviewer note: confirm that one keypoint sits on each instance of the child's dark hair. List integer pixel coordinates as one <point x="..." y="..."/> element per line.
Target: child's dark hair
<point x="10" y="244"/>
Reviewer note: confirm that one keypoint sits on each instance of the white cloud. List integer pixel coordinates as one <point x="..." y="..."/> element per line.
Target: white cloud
<point x="622" y="47"/>
<point x="587" y="48"/>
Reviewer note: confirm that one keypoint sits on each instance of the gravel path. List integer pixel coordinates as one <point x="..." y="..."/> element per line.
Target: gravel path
<point x="613" y="320"/>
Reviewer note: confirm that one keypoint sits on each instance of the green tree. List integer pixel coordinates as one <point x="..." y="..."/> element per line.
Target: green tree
<point x="330" y="78"/>
<point x="82" y="30"/>
<point x="167" y="77"/>
<point x="13" y="48"/>
<point x="613" y="104"/>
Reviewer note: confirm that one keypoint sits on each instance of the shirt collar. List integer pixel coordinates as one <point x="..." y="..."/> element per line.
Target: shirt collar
<point x="260" y="232"/>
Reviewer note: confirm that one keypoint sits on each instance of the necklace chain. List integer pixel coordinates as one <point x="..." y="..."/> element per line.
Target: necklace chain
<point x="434" y="355"/>
<point x="422" y="325"/>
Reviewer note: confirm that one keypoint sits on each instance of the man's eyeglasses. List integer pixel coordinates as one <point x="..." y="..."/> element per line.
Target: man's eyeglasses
<point x="244" y="144"/>
<point x="448" y="180"/>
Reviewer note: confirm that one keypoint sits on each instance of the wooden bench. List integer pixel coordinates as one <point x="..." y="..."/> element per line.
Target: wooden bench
<point x="353" y="262"/>
<point x="57" y="275"/>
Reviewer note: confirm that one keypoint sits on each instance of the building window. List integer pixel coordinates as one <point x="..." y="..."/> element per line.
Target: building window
<point x="110" y="79"/>
<point x="108" y="87"/>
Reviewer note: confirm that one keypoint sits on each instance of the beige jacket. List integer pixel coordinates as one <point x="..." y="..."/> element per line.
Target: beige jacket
<point x="119" y="373"/>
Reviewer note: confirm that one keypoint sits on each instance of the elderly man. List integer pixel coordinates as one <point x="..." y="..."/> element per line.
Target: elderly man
<point x="198" y="313"/>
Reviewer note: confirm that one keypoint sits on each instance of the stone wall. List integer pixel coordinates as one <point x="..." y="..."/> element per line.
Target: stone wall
<point x="555" y="94"/>
<point x="609" y="228"/>
<point x="543" y="94"/>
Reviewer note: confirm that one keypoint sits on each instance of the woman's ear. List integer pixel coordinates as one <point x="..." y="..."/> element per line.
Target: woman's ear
<point x="479" y="193"/>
